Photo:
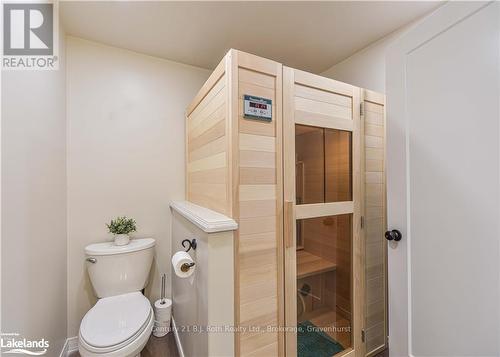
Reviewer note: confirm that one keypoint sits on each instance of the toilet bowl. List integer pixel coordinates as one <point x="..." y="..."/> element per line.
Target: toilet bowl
<point x="116" y="326"/>
<point x="121" y="322"/>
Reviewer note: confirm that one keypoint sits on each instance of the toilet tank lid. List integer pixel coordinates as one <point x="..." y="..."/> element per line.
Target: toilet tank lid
<point x="109" y="248"/>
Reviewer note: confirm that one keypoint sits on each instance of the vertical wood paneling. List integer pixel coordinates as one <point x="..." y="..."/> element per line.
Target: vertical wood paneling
<point x="259" y="202"/>
<point x="207" y="156"/>
<point x="375" y="274"/>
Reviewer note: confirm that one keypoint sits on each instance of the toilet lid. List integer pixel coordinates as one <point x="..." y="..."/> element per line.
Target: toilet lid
<point x="115" y="319"/>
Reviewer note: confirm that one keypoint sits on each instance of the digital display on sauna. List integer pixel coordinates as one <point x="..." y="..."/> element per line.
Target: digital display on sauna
<point x="257" y="108"/>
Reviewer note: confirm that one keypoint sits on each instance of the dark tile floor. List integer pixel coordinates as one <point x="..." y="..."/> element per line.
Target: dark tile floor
<point x="156" y="347"/>
<point x="166" y="347"/>
<point x="384" y="353"/>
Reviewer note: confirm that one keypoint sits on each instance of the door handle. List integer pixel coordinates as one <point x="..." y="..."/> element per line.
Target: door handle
<point x="394" y="235"/>
<point x="288" y="223"/>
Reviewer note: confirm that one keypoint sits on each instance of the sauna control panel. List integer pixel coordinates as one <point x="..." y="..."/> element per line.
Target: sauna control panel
<point x="257" y="108"/>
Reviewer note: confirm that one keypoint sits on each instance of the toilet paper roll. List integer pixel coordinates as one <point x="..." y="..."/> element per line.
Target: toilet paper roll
<point x="178" y="260"/>
<point x="163" y="313"/>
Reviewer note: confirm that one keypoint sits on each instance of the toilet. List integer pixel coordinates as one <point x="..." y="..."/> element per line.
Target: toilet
<point x="120" y="323"/>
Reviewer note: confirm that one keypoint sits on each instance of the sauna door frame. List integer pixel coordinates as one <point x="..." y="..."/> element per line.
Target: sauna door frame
<point x="368" y="96"/>
<point x="291" y="211"/>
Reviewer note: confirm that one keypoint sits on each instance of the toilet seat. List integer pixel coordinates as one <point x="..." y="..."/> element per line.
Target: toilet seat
<point x="116" y="322"/>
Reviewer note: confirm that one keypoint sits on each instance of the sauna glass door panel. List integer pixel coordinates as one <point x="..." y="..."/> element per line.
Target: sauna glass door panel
<point x="323" y="165"/>
<point x="309" y="164"/>
<point x="321" y="216"/>
<point x="338" y="165"/>
<point x="323" y="174"/>
<point x="324" y="298"/>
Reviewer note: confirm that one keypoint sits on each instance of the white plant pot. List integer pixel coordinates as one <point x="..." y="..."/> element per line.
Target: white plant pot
<point x="122" y="239"/>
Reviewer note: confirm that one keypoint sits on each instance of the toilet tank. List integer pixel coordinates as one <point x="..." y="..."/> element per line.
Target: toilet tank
<point x="116" y="270"/>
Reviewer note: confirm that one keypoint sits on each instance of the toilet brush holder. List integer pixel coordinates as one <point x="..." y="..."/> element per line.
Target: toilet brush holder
<point x="163" y="312"/>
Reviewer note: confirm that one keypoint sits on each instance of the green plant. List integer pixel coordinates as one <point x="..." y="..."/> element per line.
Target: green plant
<point x="122" y="225"/>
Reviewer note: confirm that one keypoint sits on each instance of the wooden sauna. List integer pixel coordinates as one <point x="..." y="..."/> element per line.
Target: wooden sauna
<point x="297" y="160"/>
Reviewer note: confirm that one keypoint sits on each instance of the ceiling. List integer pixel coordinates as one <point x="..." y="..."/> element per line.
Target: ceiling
<point x="311" y="36"/>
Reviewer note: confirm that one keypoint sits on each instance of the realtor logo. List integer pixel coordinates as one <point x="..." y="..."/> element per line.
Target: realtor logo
<point x="28" y="29"/>
<point x="28" y="36"/>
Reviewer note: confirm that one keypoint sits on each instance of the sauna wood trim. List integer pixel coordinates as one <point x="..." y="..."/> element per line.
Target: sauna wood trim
<point x="374" y="97"/>
<point x="289" y="197"/>
<point x="358" y="267"/>
<point x="371" y="177"/>
<point x="323" y="121"/>
<point x="349" y="352"/>
<point x="231" y="68"/>
<point x="323" y="209"/>
<point x="292" y="78"/>
<point x="323" y="83"/>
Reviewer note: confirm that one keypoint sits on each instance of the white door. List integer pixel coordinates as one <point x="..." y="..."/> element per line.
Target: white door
<point x="443" y="184"/>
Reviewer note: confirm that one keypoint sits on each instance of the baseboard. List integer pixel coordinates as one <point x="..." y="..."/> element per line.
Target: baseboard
<point x="70" y="346"/>
<point x="64" y="351"/>
<point x="177" y="339"/>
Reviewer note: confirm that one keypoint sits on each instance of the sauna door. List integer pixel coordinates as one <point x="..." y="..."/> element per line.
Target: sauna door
<point x="323" y="308"/>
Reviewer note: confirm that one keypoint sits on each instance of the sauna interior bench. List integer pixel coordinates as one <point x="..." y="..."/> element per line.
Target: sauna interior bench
<point x="309" y="264"/>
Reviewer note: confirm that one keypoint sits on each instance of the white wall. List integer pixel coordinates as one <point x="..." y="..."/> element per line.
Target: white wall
<point x="206" y="299"/>
<point x="125" y="153"/>
<point x="34" y="204"/>
<point x="366" y="68"/>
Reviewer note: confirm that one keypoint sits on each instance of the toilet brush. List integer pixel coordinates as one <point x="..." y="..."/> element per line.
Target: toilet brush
<point x="162" y="293"/>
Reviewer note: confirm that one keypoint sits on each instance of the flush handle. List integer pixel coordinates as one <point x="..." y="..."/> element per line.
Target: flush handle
<point x="91" y="260"/>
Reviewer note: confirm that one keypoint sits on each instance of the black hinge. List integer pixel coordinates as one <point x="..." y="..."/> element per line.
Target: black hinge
<point x="362" y="108"/>
<point x="362" y="335"/>
<point x="362" y="222"/>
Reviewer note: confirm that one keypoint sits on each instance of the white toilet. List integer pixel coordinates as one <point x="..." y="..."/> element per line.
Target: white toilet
<point x="120" y="323"/>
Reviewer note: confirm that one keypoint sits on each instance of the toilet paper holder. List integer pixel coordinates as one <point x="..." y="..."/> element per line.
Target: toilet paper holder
<point x="191" y="244"/>
<point x="186" y="266"/>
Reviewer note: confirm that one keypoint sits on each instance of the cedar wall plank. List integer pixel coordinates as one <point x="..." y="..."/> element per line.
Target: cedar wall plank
<point x="207" y="159"/>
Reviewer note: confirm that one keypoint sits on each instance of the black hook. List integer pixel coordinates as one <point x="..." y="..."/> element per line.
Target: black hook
<point x="191" y="244"/>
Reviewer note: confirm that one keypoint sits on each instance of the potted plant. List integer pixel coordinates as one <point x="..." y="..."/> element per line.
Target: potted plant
<point x="121" y="227"/>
